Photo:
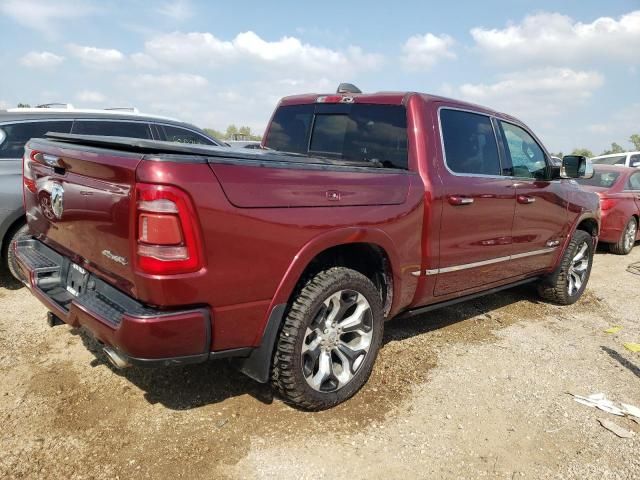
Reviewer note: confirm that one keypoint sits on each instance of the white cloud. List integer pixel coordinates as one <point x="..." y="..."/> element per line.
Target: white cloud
<point x="170" y="82"/>
<point x="90" y="96"/>
<point x="535" y="93"/>
<point x="552" y="38"/>
<point x="41" y="60"/>
<point x="45" y="15"/>
<point x="144" y="61"/>
<point x="179" y="10"/>
<point x="204" y="48"/>
<point x="97" y="57"/>
<point x="421" y="52"/>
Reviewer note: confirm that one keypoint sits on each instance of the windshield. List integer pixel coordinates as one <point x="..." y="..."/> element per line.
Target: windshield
<point x="370" y="133"/>
<point x="617" y="160"/>
<point x="600" y="179"/>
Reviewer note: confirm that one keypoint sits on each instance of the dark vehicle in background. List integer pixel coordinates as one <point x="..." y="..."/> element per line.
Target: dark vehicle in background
<point x="288" y="260"/>
<point x="619" y="191"/>
<point x="18" y="125"/>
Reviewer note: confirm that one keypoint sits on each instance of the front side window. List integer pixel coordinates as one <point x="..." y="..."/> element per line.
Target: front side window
<point x="469" y="143"/>
<point x="527" y="158"/>
<point x="375" y="134"/>
<point x="112" y="128"/>
<point x="170" y="133"/>
<point x="17" y="134"/>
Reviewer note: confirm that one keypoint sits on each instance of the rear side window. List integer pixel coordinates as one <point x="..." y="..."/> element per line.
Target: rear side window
<point x="181" y="135"/>
<point x="112" y="128"/>
<point x="526" y="156"/>
<point x="634" y="182"/>
<point x="634" y="161"/>
<point x="617" y="160"/>
<point x="469" y="143"/>
<point x="17" y="134"/>
<point x="362" y="132"/>
<point x="600" y="179"/>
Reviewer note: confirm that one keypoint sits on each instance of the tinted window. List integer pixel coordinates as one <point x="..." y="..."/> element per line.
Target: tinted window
<point x="18" y="134"/>
<point x="361" y="132"/>
<point x="181" y="135"/>
<point x="600" y="179"/>
<point x="634" y="160"/>
<point x="617" y="160"/>
<point x="469" y="143"/>
<point x="112" y="128"/>
<point x="526" y="157"/>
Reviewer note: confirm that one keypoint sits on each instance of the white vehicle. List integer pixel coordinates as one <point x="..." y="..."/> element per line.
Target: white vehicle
<point x="626" y="159"/>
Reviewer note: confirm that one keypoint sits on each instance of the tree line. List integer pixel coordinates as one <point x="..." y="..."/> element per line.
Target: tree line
<point x="234" y="133"/>
<point x="615" y="148"/>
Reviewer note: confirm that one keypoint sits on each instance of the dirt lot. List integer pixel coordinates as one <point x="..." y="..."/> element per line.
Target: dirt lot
<point x="472" y="391"/>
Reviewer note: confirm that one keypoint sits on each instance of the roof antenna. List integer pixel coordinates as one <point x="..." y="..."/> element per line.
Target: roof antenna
<point x="348" y="88"/>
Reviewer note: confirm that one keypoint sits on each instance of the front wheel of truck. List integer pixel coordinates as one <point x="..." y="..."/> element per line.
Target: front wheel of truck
<point x="329" y="340"/>
<point x="566" y="285"/>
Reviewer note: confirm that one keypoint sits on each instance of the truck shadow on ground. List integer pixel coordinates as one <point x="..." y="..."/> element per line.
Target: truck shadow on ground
<point x="633" y="368"/>
<point x="193" y="386"/>
<point x="7" y="281"/>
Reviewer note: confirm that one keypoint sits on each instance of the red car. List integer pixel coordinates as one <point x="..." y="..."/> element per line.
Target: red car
<point x="619" y="191"/>
<point x="289" y="259"/>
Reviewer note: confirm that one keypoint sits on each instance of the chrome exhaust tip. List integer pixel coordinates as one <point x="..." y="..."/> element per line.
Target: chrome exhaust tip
<point x="115" y="359"/>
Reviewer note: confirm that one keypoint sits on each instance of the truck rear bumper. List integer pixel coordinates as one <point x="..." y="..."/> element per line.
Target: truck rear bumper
<point x="140" y="334"/>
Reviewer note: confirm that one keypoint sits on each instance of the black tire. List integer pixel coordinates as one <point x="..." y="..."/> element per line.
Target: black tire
<point x="622" y="247"/>
<point x="555" y="287"/>
<point x="308" y="310"/>
<point x="9" y="256"/>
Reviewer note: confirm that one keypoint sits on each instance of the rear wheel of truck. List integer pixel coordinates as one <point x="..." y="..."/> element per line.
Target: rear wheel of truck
<point x="16" y="234"/>
<point x="566" y="285"/>
<point x="329" y="340"/>
<point x="627" y="240"/>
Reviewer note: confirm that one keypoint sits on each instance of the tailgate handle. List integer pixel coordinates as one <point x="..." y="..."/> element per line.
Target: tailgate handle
<point x="51" y="160"/>
<point x="457" y="200"/>
<point x="526" y="199"/>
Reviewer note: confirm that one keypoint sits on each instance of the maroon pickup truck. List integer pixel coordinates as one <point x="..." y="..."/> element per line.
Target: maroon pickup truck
<point x="360" y="208"/>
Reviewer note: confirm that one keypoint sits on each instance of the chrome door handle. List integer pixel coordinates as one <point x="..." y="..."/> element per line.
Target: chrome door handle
<point x="457" y="200"/>
<point x="525" y="199"/>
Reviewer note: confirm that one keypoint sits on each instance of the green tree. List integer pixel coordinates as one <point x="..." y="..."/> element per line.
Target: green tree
<point x="635" y="139"/>
<point x="615" y="148"/>
<point x="214" y="133"/>
<point x="585" y="152"/>
<point x="24" y="105"/>
<point x="231" y="133"/>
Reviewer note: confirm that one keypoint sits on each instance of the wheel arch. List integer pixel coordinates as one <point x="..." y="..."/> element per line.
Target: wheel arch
<point x="313" y="255"/>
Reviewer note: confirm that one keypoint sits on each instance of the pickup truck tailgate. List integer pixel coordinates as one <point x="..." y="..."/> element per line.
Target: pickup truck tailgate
<point x="79" y="202"/>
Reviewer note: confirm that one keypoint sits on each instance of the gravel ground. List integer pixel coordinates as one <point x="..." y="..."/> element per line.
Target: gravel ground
<point x="478" y="390"/>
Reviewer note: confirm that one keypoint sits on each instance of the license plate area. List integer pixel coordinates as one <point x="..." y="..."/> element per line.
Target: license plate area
<point x="77" y="279"/>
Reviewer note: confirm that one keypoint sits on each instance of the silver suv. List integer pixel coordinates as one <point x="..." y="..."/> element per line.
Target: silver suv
<point x="18" y="125"/>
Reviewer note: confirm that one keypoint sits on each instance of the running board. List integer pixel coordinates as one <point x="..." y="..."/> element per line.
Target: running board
<point x="448" y="303"/>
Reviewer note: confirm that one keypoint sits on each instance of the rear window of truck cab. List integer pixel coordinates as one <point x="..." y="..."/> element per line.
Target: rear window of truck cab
<point x="376" y="134"/>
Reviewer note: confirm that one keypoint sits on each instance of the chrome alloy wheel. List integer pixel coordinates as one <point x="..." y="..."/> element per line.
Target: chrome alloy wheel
<point x="337" y="341"/>
<point x="630" y="236"/>
<point x="578" y="269"/>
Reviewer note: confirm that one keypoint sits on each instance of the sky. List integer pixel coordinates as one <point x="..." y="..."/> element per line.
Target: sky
<point x="570" y="70"/>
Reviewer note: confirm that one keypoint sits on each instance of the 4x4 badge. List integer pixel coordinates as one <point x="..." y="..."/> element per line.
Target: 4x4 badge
<point x="116" y="258"/>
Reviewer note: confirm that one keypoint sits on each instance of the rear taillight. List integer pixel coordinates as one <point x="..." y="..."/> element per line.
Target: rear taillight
<point x="607" y="203"/>
<point x="167" y="237"/>
<point x="27" y="179"/>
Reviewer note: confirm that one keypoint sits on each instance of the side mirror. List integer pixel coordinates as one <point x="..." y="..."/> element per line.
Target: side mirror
<point x="634" y="164"/>
<point x="576" y="166"/>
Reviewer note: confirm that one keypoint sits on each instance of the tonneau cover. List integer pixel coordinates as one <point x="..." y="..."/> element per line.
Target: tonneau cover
<point x="144" y="146"/>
